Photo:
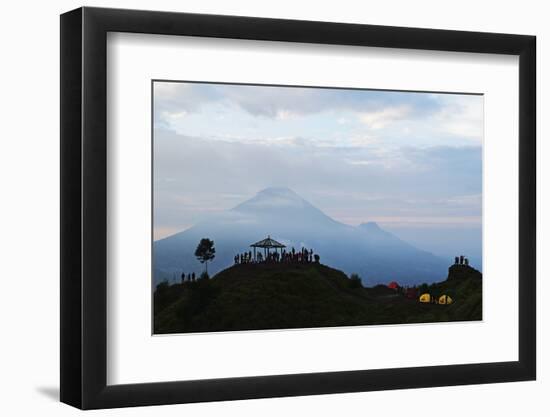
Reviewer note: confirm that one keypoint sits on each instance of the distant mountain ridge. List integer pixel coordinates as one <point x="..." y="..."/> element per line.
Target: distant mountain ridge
<point x="375" y="254"/>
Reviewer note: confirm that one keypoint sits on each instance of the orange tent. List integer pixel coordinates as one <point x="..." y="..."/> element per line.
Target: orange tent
<point x="393" y="285"/>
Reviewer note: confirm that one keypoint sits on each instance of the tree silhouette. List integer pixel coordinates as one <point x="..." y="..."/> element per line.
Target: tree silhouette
<point x="355" y="281"/>
<point x="205" y="252"/>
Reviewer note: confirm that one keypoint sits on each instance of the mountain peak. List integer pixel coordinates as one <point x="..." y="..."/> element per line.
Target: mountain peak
<point x="278" y="192"/>
<point x="284" y="207"/>
<point x="274" y="198"/>
<point x="370" y="226"/>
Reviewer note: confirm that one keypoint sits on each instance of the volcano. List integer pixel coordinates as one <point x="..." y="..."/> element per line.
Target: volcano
<point x="375" y="254"/>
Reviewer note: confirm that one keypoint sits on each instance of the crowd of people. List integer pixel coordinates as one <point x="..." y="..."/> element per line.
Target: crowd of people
<point x="304" y="255"/>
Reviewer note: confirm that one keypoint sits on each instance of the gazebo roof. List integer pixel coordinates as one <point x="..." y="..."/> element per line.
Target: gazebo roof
<point x="268" y="243"/>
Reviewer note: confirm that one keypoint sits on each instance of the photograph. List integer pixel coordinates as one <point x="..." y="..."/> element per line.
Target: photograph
<point x="285" y="207"/>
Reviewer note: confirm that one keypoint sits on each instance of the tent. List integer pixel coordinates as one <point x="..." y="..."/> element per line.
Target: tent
<point x="445" y="299"/>
<point x="393" y="285"/>
<point x="425" y="298"/>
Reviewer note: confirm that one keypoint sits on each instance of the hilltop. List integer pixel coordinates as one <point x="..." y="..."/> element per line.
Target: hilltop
<point x="282" y="296"/>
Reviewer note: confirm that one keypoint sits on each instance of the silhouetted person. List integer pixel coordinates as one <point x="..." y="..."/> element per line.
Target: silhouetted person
<point x="182" y="277"/>
<point x="466" y="261"/>
<point x="461" y="259"/>
<point x="456" y="260"/>
<point x="317" y="258"/>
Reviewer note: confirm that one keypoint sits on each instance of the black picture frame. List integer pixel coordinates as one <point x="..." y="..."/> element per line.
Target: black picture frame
<point x="84" y="207"/>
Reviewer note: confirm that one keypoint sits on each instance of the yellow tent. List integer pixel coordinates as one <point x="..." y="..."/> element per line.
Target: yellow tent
<point x="445" y="299"/>
<point x="425" y="298"/>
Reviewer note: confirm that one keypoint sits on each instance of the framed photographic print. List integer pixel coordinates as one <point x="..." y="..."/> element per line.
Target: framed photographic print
<point x="258" y="207"/>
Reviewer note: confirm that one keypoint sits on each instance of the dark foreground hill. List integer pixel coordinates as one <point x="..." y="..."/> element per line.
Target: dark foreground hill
<point x="282" y="296"/>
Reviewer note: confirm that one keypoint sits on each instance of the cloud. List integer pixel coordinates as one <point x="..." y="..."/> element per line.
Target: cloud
<point x="318" y="117"/>
<point x="195" y="176"/>
<point x="381" y="118"/>
<point x="460" y="116"/>
<point x="280" y="102"/>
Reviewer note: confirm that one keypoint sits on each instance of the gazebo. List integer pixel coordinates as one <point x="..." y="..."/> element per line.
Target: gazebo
<point x="267" y="244"/>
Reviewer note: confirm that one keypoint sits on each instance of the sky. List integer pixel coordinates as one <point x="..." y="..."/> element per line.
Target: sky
<point x="403" y="159"/>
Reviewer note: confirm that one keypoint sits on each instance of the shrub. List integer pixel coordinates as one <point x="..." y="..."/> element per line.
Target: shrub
<point x="355" y="281"/>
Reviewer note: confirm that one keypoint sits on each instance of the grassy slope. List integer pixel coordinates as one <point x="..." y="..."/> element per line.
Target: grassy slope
<point x="247" y="297"/>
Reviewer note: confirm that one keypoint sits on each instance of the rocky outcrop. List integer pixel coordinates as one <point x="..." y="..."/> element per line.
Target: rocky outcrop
<point x="462" y="272"/>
